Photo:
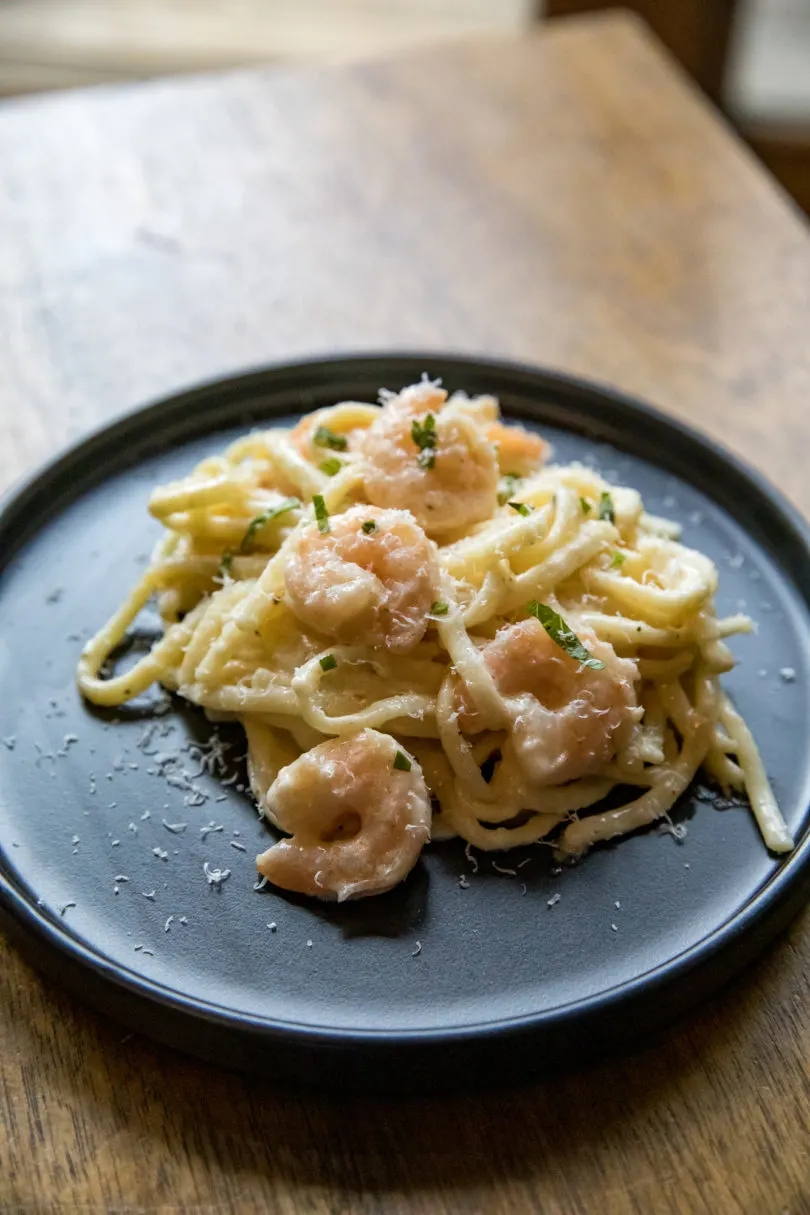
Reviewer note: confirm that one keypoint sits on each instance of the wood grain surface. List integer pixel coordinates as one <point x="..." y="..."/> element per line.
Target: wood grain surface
<point x="565" y="199"/>
<point x="698" y="34"/>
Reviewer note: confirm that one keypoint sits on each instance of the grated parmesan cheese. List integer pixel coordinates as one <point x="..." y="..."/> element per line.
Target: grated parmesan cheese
<point x="678" y="831"/>
<point x="503" y="869"/>
<point x="215" y="877"/>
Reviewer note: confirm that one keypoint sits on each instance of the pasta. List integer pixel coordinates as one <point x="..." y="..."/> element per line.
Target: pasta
<point x="427" y="629"/>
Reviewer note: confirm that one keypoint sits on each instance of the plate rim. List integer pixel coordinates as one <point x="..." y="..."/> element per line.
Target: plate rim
<point x="768" y="909"/>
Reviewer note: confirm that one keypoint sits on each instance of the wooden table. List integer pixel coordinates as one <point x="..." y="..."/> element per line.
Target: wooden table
<point x="565" y="199"/>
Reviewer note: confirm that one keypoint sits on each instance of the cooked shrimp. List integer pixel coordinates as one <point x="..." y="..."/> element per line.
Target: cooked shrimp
<point x="357" y="821"/>
<point x="518" y="450"/>
<point x="567" y="720"/>
<point x="449" y="479"/>
<point x="369" y="580"/>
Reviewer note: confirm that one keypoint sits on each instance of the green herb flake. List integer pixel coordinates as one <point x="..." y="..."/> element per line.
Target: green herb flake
<point x="328" y="662"/>
<point x="401" y="762"/>
<point x="256" y="524"/>
<point x="522" y="508"/>
<point x="330" y="466"/>
<point x="321" y="514"/>
<point x="424" y="436"/>
<point x="509" y="481"/>
<point x="324" y="437"/>
<point x="439" y="609"/>
<point x="585" y="506"/>
<point x="562" y="635"/>
<point x="606" y="508"/>
<point x="369" y="527"/>
<point x="226" y="563"/>
<point x="617" y="560"/>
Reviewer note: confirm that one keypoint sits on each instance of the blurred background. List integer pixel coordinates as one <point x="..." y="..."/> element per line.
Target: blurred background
<point x="751" y="56"/>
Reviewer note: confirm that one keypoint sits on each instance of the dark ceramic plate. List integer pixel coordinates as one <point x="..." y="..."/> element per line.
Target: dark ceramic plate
<point x="440" y="981"/>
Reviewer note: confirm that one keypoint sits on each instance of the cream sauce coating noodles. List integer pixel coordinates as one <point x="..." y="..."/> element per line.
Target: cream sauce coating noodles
<point x="427" y="629"/>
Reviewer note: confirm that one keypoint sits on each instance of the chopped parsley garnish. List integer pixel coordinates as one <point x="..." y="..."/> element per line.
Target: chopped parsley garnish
<point x="509" y="482"/>
<point x="606" y="510"/>
<point x="522" y="508"/>
<point x="330" y="466"/>
<point x="369" y="526"/>
<point x="585" y="506"/>
<point x="328" y="662"/>
<point x="401" y="762"/>
<point x="226" y="562"/>
<point x="266" y="516"/>
<point x="424" y="436"/>
<point x="439" y="609"/>
<point x="562" y="635"/>
<point x="321" y="514"/>
<point x="324" y="437"/>
<point x="617" y="560"/>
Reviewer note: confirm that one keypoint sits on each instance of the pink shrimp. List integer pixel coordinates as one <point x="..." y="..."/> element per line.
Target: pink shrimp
<point x="437" y="464"/>
<point x="568" y="720"/>
<point x="518" y="450"/>
<point x="371" y="579"/>
<point x="358" y="812"/>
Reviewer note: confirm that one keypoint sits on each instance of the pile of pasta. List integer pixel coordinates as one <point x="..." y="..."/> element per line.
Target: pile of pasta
<point x="530" y="638"/>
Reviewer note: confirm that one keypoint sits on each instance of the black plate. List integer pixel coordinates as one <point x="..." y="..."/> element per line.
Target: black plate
<point x="439" y="981"/>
